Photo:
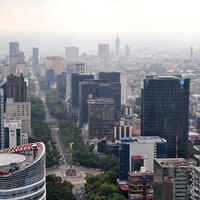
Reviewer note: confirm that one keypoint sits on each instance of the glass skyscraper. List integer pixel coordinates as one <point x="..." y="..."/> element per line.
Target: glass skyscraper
<point x="165" y="112"/>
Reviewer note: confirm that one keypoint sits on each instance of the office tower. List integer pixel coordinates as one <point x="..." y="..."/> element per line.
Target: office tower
<point x="128" y="51"/>
<point x="117" y="46"/>
<point x="73" y="67"/>
<point x="101" y="114"/>
<point x="56" y="63"/>
<point x="87" y="90"/>
<point x="103" y="51"/>
<point x="16" y="87"/>
<point x="60" y="80"/>
<point x="75" y="81"/>
<point x="172" y="178"/>
<point x="72" y="54"/>
<point x="150" y="147"/>
<point x="110" y="76"/>
<point x="98" y="89"/>
<point x="123" y="81"/>
<point x="165" y="112"/>
<point x="140" y="185"/>
<point x="23" y="172"/>
<point x="49" y="77"/>
<point x="35" y="60"/>
<point x="13" y="57"/>
<point x="1" y="119"/>
<point x="116" y="77"/>
<point x="19" y="111"/>
<point x="191" y="53"/>
<point x="13" y="135"/>
<point x="13" y="48"/>
<point x="14" y="60"/>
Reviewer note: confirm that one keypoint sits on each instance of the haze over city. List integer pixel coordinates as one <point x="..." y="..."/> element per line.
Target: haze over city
<point x="85" y="23"/>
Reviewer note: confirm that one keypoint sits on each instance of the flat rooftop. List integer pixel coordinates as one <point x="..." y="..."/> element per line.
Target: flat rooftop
<point x="173" y="162"/>
<point x="7" y="159"/>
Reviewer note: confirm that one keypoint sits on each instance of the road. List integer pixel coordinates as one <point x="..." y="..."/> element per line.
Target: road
<point x="78" y="181"/>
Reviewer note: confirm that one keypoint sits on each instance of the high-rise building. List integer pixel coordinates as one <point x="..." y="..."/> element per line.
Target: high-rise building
<point x="19" y="111"/>
<point x="116" y="77"/>
<point x="110" y="76"/>
<point x="98" y="89"/>
<point x="72" y="54"/>
<point x="2" y="142"/>
<point x="165" y="112"/>
<point x="75" y="81"/>
<point x="191" y="53"/>
<point x="60" y="80"/>
<point x="49" y="77"/>
<point x="103" y="51"/>
<point x="117" y="46"/>
<point x="16" y="87"/>
<point x="172" y="178"/>
<point x="128" y="51"/>
<point x="73" y="67"/>
<point x="13" y="48"/>
<point x="101" y="115"/>
<point x="23" y="172"/>
<point x="150" y="147"/>
<point x="13" y="57"/>
<point x="56" y="63"/>
<point x="35" y="60"/>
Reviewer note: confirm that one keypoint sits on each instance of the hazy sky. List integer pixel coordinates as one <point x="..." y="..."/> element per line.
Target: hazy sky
<point x="101" y="16"/>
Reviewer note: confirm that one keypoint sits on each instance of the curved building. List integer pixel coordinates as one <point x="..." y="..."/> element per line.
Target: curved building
<point x="23" y="172"/>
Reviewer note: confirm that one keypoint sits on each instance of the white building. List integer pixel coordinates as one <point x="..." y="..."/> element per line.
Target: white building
<point x="23" y="172"/>
<point x="19" y="111"/>
<point x="13" y="135"/>
<point x="150" y="147"/>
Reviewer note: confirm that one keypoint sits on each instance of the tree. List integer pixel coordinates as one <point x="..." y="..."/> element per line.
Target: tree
<point x="58" y="189"/>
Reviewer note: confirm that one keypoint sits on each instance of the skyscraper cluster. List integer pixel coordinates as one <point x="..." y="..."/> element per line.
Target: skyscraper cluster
<point x="15" y="111"/>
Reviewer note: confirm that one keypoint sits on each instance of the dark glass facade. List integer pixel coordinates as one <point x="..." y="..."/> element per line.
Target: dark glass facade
<point x="98" y="89"/>
<point x="49" y="77"/>
<point x="110" y="76"/>
<point x="124" y="155"/>
<point x="165" y="112"/>
<point x="75" y="80"/>
<point x="16" y="88"/>
<point x="101" y="114"/>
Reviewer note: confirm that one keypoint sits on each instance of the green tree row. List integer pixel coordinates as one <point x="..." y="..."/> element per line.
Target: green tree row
<point x="41" y="132"/>
<point x="58" y="189"/>
<point x="102" y="186"/>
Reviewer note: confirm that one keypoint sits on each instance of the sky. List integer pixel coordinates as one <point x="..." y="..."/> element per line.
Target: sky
<point x="93" y="17"/>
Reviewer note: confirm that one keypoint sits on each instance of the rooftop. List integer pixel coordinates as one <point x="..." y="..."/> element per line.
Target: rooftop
<point x="7" y="159"/>
<point x="173" y="162"/>
<point x="17" y="158"/>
